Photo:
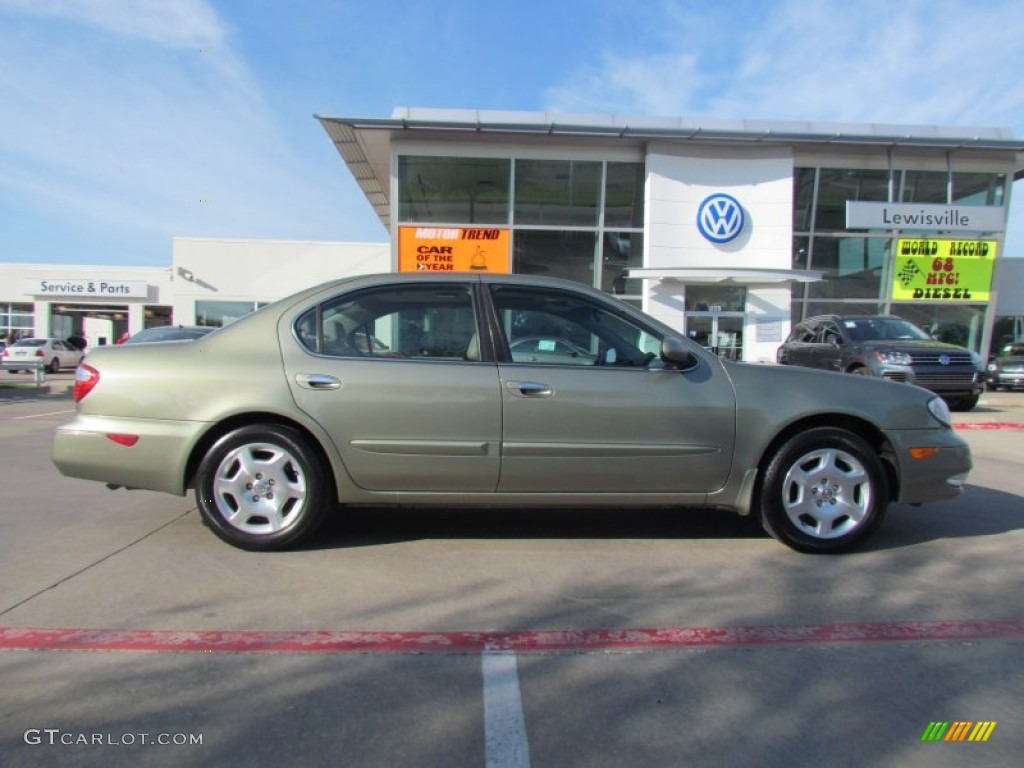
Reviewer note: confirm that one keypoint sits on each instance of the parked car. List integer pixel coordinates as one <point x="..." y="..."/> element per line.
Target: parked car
<point x="169" y="333"/>
<point x="273" y="430"/>
<point x="887" y="347"/>
<point x="54" y="353"/>
<point x="1006" y="368"/>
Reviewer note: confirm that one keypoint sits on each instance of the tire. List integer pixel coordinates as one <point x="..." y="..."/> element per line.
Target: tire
<point x="824" y="490"/>
<point x="962" y="403"/>
<point x="263" y="488"/>
<point x="54" y="366"/>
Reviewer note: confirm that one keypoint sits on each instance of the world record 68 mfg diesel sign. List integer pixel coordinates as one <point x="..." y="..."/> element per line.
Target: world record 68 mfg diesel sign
<point x="943" y="270"/>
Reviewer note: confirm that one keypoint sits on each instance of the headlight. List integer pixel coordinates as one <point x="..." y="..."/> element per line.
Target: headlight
<point x="893" y="358"/>
<point x="976" y="359"/>
<point x="937" y="407"/>
<point x="993" y="367"/>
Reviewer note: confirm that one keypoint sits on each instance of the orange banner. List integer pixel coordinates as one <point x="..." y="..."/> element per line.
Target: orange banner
<point x="453" y="249"/>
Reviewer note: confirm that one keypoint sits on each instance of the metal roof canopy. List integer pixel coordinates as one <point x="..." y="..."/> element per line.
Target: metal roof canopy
<point x="365" y="143"/>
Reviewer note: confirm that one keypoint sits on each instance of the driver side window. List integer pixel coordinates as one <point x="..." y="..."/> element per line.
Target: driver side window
<point x="552" y="327"/>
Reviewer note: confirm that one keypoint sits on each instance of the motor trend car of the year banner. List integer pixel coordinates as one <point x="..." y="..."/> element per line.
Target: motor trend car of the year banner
<point x="453" y="249"/>
<point x="943" y="270"/>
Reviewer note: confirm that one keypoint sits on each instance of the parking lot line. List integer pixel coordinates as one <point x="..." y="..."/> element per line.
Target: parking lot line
<point x="505" y="742"/>
<point x="336" y="641"/>
<point x="40" y="415"/>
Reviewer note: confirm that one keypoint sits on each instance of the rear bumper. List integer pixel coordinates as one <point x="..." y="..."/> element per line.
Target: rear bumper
<point x="156" y="462"/>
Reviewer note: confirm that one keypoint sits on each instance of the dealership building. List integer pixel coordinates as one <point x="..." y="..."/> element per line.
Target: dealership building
<point x="728" y="230"/>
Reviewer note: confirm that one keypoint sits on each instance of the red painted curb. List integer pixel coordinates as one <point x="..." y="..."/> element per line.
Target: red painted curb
<point x="988" y="425"/>
<point x="475" y="642"/>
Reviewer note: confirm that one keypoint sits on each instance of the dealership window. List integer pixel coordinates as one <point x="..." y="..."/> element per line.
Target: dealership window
<point x="16" y="319"/>
<point x="624" y="195"/>
<point x="555" y="253"/>
<point x="577" y="219"/>
<point x="852" y="267"/>
<point x="925" y="187"/>
<point x="837" y="186"/>
<point x="453" y="190"/>
<point x="959" y="324"/>
<point x="979" y="188"/>
<point x="221" y="313"/>
<point x="557" y="192"/>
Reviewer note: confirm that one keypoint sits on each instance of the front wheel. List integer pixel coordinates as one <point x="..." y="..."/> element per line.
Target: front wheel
<point x="262" y="487"/>
<point x="824" y="490"/>
<point x="962" y="404"/>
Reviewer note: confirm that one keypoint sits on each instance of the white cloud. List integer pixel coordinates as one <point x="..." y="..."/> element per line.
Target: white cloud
<point x="166" y="22"/>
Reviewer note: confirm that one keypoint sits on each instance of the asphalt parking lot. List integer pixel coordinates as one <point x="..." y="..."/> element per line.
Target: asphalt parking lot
<point x="130" y="635"/>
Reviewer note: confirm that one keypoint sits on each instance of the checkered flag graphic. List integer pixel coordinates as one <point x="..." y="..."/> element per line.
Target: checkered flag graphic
<point x="908" y="272"/>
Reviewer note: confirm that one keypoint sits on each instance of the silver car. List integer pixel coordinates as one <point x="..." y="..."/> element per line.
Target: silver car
<point x="286" y="414"/>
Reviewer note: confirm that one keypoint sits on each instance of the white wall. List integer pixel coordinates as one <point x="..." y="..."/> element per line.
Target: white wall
<point x="263" y="270"/>
<point x="761" y="180"/>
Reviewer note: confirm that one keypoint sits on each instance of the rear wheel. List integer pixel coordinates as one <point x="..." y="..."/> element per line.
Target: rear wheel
<point x="262" y="487"/>
<point x="824" y="490"/>
<point x="54" y="366"/>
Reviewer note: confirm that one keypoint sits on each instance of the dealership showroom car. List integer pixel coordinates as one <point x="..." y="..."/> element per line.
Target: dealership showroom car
<point x="1006" y="369"/>
<point x="54" y="353"/>
<point x="282" y="416"/>
<point x="887" y="347"/>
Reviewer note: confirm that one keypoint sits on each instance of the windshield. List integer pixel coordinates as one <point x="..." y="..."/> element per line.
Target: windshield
<point x="874" y="328"/>
<point x="1012" y="350"/>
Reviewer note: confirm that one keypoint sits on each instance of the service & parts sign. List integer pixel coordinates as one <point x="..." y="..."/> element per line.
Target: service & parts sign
<point x="453" y="249"/>
<point x="943" y="270"/>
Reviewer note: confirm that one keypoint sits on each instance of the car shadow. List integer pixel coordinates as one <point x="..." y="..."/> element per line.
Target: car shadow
<point x="376" y="526"/>
<point x="15" y="391"/>
<point x="979" y="512"/>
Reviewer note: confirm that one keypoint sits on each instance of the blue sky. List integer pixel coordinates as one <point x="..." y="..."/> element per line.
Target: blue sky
<point x="118" y="117"/>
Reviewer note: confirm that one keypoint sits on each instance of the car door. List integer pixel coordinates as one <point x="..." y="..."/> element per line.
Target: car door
<point x="799" y="345"/>
<point x="828" y="351"/>
<point x="393" y="373"/>
<point x="612" y="418"/>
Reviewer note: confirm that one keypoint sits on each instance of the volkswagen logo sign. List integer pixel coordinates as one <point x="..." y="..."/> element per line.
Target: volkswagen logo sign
<point x="943" y="359"/>
<point x="720" y="218"/>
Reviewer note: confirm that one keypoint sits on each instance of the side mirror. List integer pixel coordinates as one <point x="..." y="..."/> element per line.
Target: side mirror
<point x="677" y="355"/>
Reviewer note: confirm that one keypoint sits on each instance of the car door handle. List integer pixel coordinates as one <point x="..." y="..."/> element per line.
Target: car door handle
<point x="317" y="381"/>
<point x="530" y="388"/>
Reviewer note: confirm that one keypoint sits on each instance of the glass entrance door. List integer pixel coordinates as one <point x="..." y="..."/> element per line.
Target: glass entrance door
<point x="719" y="332"/>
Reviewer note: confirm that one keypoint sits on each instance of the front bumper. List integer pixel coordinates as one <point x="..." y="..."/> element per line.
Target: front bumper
<point x="940" y="475"/>
<point x="156" y="462"/>
<point x="1006" y="379"/>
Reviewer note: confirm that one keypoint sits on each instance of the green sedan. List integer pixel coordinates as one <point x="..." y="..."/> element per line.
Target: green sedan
<point x="288" y="414"/>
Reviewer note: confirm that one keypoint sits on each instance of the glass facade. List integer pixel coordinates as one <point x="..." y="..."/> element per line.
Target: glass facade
<point x="15" y="320"/>
<point x="580" y="220"/>
<point x="221" y="313"/>
<point x="856" y="264"/>
<point x="583" y="220"/>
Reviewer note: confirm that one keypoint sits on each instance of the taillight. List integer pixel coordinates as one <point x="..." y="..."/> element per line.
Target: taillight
<point x="40" y="353"/>
<point x="86" y="377"/>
